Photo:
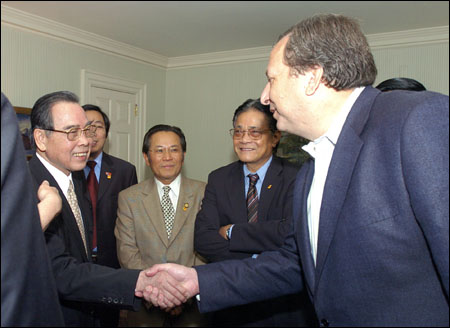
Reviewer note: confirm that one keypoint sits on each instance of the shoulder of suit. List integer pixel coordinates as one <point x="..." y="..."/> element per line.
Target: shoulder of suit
<point x="194" y="183"/>
<point x="118" y="161"/>
<point x="224" y="170"/>
<point x="287" y="167"/>
<point x="137" y="188"/>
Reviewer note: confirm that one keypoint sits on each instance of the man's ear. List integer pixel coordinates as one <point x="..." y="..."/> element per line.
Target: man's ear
<point x="314" y="77"/>
<point x="147" y="160"/>
<point x="40" y="139"/>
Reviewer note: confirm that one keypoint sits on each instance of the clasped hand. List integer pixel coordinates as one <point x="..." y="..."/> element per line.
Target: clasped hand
<point x="167" y="285"/>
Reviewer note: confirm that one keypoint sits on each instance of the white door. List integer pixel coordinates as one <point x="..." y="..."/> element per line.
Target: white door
<point x="121" y="108"/>
<point x="124" y="103"/>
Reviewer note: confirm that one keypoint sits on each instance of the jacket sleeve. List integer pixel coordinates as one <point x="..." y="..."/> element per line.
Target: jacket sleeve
<point x="207" y="240"/>
<point x="88" y="282"/>
<point x="127" y="250"/>
<point x="425" y="163"/>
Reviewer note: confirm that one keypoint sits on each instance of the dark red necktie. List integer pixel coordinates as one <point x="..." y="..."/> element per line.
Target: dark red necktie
<point x="252" y="199"/>
<point x="92" y="184"/>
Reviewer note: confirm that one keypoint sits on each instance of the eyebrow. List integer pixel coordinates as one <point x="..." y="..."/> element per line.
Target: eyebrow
<point x="68" y="127"/>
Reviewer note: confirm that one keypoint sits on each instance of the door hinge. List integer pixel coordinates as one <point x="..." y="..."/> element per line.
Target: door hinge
<point x="135" y="110"/>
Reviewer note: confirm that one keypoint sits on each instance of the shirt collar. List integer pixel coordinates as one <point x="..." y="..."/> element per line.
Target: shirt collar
<point x="174" y="185"/>
<point x="262" y="170"/>
<point x="61" y="178"/>
<point x="332" y="134"/>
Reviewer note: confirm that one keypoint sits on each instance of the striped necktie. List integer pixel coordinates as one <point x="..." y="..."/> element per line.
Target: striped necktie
<point x="252" y="199"/>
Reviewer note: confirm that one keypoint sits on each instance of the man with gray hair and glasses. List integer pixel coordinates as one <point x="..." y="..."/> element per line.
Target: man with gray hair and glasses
<point x="61" y="135"/>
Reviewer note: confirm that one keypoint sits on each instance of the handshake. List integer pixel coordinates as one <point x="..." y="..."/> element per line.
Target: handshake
<point x="167" y="285"/>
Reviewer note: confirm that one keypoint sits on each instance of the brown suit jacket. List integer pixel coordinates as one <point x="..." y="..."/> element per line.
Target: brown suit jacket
<point x="140" y="231"/>
<point x="142" y="241"/>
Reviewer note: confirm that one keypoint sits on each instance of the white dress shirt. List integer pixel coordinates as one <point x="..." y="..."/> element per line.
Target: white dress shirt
<point x="321" y="150"/>
<point x="61" y="178"/>
<point x="174" y="190"/>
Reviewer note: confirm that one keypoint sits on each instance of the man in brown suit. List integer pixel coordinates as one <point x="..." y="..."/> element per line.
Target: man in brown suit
<point x="155" y="224"/>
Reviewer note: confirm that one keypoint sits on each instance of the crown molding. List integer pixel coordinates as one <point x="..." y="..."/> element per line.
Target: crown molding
<point x="49" y="28"/>
<point x="36" y="24"/>
<point x="222" y="57"/>
<point x="416" y="37"/>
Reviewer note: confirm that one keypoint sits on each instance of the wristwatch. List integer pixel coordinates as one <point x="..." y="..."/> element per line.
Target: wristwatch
<point x="229" y="232"/>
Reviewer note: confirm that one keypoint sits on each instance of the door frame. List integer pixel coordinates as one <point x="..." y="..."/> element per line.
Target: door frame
<point x="90" y="79"/>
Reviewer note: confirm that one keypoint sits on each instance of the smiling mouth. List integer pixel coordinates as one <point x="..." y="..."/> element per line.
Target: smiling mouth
<point x="80" y="154"/>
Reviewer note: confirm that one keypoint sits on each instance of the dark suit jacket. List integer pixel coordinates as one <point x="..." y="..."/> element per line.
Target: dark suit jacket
<point x="78" y="280"/>
<point x="29" y="296"/>
<point x="224" y="203"/>
<point x="383" y="247"/>
<point x="121" y="176"/>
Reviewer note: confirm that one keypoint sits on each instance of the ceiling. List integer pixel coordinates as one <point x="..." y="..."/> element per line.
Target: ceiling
<point x="183" y="28"/>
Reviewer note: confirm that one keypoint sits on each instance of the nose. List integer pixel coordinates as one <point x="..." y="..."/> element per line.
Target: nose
<point x="265" y="99"/>
<point x="83" y="140"/>
<point x="167" y="155"/>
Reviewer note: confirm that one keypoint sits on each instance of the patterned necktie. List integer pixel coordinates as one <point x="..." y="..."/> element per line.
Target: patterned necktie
<point x="168" y="210"/>
<point x="92" y="185"/>
<point x="252" y="199"/>
<point x="73" y="202"/>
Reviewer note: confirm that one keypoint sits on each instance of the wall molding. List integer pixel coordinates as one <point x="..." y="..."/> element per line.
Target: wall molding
<point x="36" y="24"/>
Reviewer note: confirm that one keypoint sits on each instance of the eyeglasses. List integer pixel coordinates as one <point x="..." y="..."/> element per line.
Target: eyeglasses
<point x="161" y="151"/>
<point x="75" y="133"/>
<point x="98" y="127"/>
<point x="252" y="133"/>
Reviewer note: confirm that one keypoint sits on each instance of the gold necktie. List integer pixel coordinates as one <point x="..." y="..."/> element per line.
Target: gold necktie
<point x="73" y="202"/>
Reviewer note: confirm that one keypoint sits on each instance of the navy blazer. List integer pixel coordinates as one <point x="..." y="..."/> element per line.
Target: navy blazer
<point x="383" y="247"/>
<point x="224" y="203"/>
<point x="81" y="284"/>
<point x="115" y="176"/>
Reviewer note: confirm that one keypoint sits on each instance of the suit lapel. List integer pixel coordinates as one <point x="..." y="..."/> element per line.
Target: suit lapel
<point x="107" y="174"/>
<point x="339" y="175"/>
<point x="40" y="173"/>
<point x="235" y="191"/>
<point x="300" y="217"/>
<point x="184" y="207"/>
<point x="153" y="209"/>
<point x="270" y="187"/>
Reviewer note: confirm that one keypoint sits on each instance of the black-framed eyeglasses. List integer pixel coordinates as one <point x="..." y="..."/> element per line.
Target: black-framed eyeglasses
<point x="253" y="133"/>
<point x="75" y="133"/>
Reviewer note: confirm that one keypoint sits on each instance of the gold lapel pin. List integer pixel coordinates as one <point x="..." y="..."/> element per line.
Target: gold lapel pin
<point x="108" y="175"/>
<point x="269" y="186"/>
<point x="185" y="206"/>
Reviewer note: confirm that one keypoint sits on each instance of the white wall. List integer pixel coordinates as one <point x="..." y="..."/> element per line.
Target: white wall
<point x="200" y="99"/>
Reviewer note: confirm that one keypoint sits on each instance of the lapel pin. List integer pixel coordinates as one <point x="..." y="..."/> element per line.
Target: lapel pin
<point x="185" y="207"/>
<point x="108" y="175"/>
<point x="269" y="186"/>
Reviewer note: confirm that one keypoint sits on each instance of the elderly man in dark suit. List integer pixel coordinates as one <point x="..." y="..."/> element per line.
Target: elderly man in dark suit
<point x="61" y="135"/>
<point x="226" y="228"/>
<point x="371" y="218"/>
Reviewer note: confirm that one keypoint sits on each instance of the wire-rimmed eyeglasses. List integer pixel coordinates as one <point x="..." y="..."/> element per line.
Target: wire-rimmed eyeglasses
<point x="252" y="133"/>
<point x="75" y="133"/>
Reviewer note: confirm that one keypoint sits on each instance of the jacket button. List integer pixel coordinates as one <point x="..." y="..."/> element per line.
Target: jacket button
<point x="324" y="323"/>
